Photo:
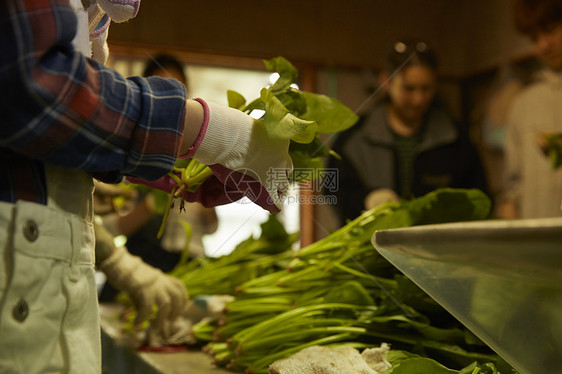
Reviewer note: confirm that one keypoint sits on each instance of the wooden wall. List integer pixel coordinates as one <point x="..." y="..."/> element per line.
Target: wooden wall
<point x="469" y="35"/>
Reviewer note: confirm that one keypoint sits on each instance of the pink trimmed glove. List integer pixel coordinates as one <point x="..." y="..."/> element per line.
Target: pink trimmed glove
<point x="211" y="193"/>
<point x="243" y="156"/>
<point x="244" y="159"/>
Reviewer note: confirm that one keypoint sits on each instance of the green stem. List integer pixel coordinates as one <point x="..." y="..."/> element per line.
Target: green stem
<point x="379" y="281"/>
<point x="197" y="179"/>
<point x="278" y="322"/>
<point x="167" y="212"/>
<point x="271" y="341"/>
<point x="174" y="176"/>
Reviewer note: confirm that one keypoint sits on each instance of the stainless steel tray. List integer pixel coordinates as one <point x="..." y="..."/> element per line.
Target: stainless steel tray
<point x="501" y="279"/>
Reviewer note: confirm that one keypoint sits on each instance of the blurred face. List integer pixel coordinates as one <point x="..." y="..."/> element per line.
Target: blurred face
<point x="411" y="92"/>
<point x="548" y="44"/>
<point x="169" y="73"/>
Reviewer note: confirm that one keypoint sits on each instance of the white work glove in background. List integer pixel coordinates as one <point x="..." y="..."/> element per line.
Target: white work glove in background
<point x="234" y="141"/>
<point x="146" y="286"/>
<point x="380" y="196"/>
<point x="178" y="330"/>
<point x="100" y="14"/>
<point x="105" y="193"/>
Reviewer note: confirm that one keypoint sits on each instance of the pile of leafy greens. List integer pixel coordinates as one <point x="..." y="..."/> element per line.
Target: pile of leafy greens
<point x="337" y="291"/>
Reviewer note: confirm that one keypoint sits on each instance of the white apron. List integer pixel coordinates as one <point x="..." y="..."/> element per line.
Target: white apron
<point x="49" y="319"/>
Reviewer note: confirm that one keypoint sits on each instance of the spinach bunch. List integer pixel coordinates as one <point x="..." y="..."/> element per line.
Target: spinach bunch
<point x="340" y="291"/>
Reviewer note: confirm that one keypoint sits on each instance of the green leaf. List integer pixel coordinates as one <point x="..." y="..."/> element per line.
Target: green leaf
<point x="256" y="104"/>
<point x="330" y="114"/>
<point x="182" y="163"/>
<point x="287" y="73"/>
<point x="351" y="292"/>
<point x="419" y="366"/>
<point x="294" y="101"/>
<point x="313" y="149"/>
<point x="396" y="356"/>
<point x="235" y="100"/>
<point x="308" y="159"/>
<point x="450" y="205"/>
<point x="409" y="363"/>
<point x="273" y="230"/>
<point x="160" y="201"/>
<point x="409" y="293"/>
<point x="280" y="123"/>
<point x="306" y="169"/>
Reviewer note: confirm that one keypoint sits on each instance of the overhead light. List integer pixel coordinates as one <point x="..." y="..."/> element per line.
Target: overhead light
<point x="257" y="113"/>
<point x="273" y="78"/>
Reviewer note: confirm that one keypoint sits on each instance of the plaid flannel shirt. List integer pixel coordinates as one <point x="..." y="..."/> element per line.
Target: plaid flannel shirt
<point x="59" y="107"/>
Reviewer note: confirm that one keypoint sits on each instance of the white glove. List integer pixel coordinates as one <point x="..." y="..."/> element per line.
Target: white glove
<point x="98" y="39"/>
<point x="241" y="143"/>
<point x="179" y="330"/>
<point x="380" y="196"/>
<point x="176" y="331"/>
<point x="147" y="286"/>
<point x="101" y="13"/>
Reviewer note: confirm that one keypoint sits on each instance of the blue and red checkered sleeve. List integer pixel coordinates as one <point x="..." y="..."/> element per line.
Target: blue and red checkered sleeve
<point x="62" y="108"/>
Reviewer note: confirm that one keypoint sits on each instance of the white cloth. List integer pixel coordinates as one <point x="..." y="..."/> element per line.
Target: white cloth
<point x="334" y="360"/>
<point x="530" y="179"/>
<point x="49" y="319"/>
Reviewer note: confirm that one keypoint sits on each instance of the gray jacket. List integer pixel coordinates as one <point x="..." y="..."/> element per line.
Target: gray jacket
<point x="445" y="157"/>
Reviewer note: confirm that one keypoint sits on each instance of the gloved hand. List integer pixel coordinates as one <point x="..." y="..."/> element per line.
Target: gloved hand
<point x="244" y="159"/>
<point x="104" y="193"/>
<point x="100" y="14"/>
<point x="212" y="192"/>
<point x="179" y="330"/>
<point x="380" y="196"/>
<point x="147" y="286"/>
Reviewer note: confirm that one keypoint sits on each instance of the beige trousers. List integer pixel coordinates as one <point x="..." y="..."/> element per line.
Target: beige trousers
<point x="49" y="319"/>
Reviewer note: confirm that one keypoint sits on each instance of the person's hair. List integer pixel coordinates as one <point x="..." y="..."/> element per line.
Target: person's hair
<point x="164" y="62"/>
<point x="531" y="16"/>
<point x="411" y="52"/>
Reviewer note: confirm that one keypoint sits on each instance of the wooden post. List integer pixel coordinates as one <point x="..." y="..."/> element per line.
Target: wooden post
<point x="306" y="192"/>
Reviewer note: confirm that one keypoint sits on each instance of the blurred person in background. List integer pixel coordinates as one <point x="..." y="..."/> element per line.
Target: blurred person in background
<point x="68" y="119"/>
<point x="532" y="187"/>
<point x="408" y="144"/>
<point x="142" y="222"/>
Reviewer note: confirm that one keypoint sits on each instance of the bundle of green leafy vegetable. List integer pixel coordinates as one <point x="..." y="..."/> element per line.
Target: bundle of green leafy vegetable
<point x="288" y="113"/>
<point x="340" y="291"/>
<point x="251" y="259"/>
